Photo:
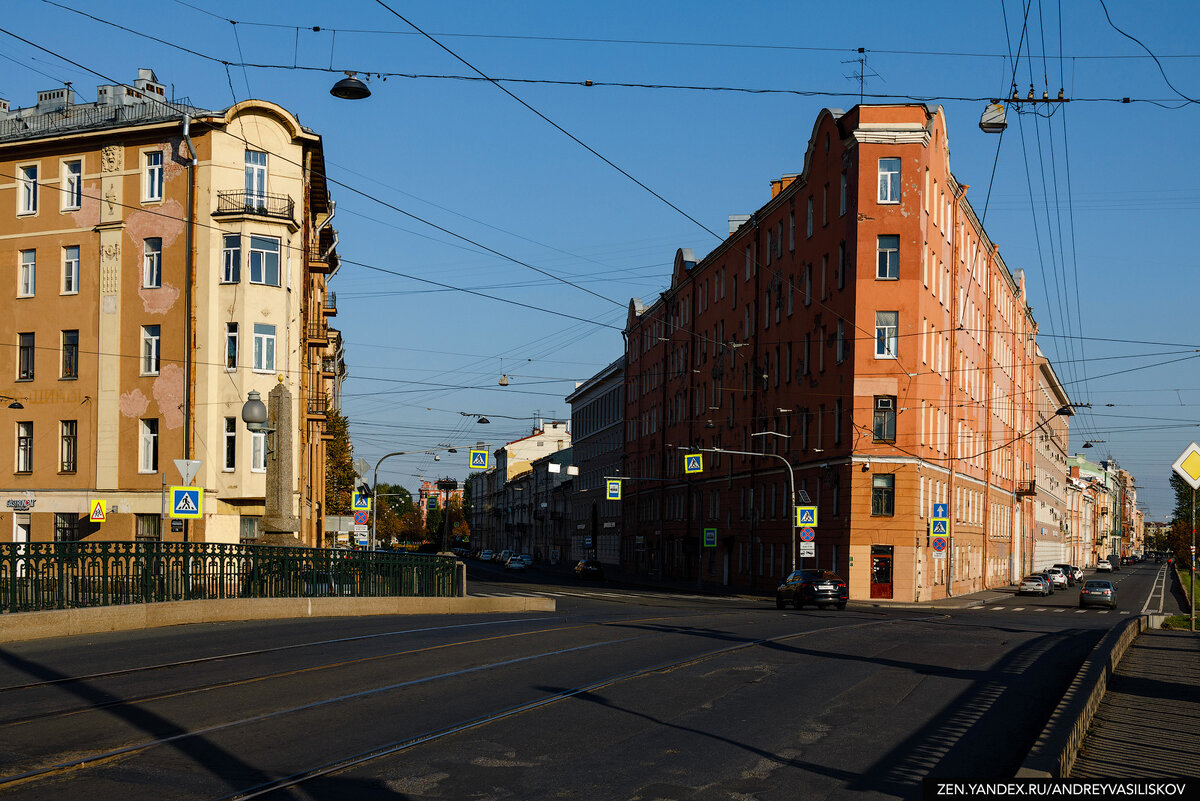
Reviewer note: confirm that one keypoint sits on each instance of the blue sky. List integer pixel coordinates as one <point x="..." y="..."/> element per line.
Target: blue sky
<point x="1106" y="245"/>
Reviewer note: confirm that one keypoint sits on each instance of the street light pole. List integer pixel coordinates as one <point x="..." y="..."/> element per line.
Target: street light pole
<point x="375" y="482"/>
<point x="791" y="482"/>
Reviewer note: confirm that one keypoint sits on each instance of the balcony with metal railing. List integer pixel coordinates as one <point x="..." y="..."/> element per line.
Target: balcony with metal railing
<point x="317" y="333"/>
<point x="330" y="305"/>
<point x="280" y="207"/>
<point x="318" y="405"/>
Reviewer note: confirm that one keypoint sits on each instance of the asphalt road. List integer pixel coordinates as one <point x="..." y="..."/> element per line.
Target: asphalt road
<point x="624" y="693"/>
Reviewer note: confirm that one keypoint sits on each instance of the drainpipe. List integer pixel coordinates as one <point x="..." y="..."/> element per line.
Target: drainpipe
<point x="187" y="299"/>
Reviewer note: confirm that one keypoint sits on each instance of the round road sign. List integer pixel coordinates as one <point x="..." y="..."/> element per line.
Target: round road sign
<point x="807" y="534"/>
<point x="939" y="543"/>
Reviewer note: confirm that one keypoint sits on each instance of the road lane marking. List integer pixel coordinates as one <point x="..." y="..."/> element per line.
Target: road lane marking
<point x="1019" y="609"/>
<point x="1080" y="611"/>
<point x="1104" y="611"/>
<point x="1061" y="610"/>
<point x="1125" y="612"/>
<point x="1040" y="609"/>
<point x="997" y="608"/>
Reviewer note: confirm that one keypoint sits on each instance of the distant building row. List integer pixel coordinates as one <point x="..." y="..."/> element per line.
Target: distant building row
<point x="857" y="339"/>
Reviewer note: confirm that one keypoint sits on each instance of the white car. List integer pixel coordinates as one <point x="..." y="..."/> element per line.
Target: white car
<point x="1057" y="576"/>
<point x="1034" y="585"/>
<point x="527" y="559"/>
<point x="485" y="555"/>
<point x="1103" y="566"/>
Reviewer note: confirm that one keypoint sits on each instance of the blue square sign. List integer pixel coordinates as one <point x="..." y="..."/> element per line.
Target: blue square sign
<point x="941" y="510"/>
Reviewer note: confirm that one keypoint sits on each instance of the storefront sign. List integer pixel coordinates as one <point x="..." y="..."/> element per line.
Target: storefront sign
<point x="21" y="504"/>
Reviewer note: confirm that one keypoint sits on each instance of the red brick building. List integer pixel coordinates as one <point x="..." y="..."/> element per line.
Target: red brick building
<point x="862" y="328"/>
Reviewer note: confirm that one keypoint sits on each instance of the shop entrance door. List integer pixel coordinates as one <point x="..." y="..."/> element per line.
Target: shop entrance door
<point x="881" y="571"/>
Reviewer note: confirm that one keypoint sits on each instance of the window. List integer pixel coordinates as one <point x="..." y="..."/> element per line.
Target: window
<point x="842" y="199"/>
<point x="231" y="346"/>
<point x="70" y="354"/>
<point x="808" y="285"/>
<point x="889" y="180"/>
<point x="70" y="284"/>
<point x="792" y="230"/>
<point x="152" y="263"/>
<point x="256" y="178"/>
<point x="72" y="185"/>
<point x="883" y="427"/>
<point x="25" y="447"/>
<point x="887" y="324"/>
<point x="841" y="266"/>
<point x="232" y="259"/>
<point x="152" y="179"/>
<point x="149" y="449"/>
<point x="258" y="451"/>
<point x="151" y="336"/>
<point x="230" y="443"/>
<point x="841" y="341"/>
<point x="264" y="260"/>
<point x="24" y="357"/>
<point x="27" y="281"/>
<point x="889" y="257"/>
<point x="883" y="495"/>
<point x="66" y="527"/>
<point x="837" y="421"/>
<point x="69" y="452"/>
<point x="810" y="216"/>
<point x="264" y="347"/>
<point x="148" y="528"/>
<point x="27" y="179"/>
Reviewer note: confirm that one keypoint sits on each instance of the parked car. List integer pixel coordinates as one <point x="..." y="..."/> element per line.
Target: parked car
<point x="515" y="563"/>
<point x="817" y="587"/>
<point x="486" y="555"/>
<point x="1048" y="580"/>
<point x="1078" y="571"/>
<point x="1098" y="592"/>
<point x="1068" y="571"/>
<point x="589" y="569"/>
<point x="1103" y="566"/>
<point x="1034" y="584"/>
<point x="502" y="557"/>
<point x="1058" y="577"/>
<point x="527" y="559"/>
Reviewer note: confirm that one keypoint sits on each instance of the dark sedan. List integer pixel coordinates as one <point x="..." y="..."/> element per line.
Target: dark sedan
<point x="1098" y="592"/>
<point x="589" y="569"/>
<point x="816" y="587"/>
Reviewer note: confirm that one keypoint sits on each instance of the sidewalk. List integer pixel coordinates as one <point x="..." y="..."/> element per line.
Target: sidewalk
<point x="1148" y="724"/>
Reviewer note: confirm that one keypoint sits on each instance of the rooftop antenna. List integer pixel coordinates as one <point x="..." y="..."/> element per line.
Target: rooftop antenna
<point x="863" y="73"/>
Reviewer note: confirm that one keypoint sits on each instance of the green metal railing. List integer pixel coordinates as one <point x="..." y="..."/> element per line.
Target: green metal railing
<point x="69" y="575"/>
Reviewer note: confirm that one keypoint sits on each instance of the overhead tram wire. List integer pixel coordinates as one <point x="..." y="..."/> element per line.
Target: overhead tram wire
<point x="554" y="124"/>
<point x="348" y="187"/>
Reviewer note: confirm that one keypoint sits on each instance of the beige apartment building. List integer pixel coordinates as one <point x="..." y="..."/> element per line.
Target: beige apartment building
<point x="162" y="261"/>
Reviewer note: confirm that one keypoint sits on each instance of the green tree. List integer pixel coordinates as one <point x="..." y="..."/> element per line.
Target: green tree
<point x="433" y="524"/>
<point x="339" y="465"/>
<point x="1179" y="538"/>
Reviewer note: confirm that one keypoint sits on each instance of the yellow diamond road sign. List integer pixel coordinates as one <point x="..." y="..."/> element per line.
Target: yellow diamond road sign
<point x="1188" y="465"/>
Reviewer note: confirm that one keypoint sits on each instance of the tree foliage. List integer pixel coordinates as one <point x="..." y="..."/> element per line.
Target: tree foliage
<point x="339" y="464"/>
<point x="1179" y="539"/>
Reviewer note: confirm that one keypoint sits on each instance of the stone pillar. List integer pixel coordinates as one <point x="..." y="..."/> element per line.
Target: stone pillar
<point x="279" y="523"/>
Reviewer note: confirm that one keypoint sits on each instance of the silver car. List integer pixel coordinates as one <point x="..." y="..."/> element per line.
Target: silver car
<point x="1098" y="592"/>
<point x="1034" y="585"/>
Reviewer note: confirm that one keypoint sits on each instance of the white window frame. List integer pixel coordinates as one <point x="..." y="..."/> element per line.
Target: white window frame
<point x="148" y="449"/>
<point x="152" y="176"/>
<point x="152" y="263"/>
<point x="151" y="349"/>
<point x="232" y="345"/>
<point x="258" y="452"/>
<point x="27" y="189"/>
<point x="264" y="348"/>
<point x="24" y="460"/>
<point x="27" y="277"/>
<point x="230" y="444"/>
<point x="262" y="256"/>
<point x="256" y="177"/>
<point x="893" y="260"/>
<point x="889" y="180"/>
<point x="887" y="331"/>
<point x="68" y="448"/>
<point x="72" y="185"/>
<point x="70" y="275"/>
<point x="231" y="259"/>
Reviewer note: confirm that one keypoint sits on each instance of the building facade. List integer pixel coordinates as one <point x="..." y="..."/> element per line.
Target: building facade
<point x="858" y="337"/>
<point x="167" y="260"/>
<point x="597" y="417"/>
<point x="1052" y="535"/>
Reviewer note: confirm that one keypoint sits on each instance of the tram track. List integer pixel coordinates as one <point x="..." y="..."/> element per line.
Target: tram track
<point x="101" y="757"/>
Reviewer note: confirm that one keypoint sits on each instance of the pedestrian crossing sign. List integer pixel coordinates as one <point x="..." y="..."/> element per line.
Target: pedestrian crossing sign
<point x="97" y="514"/>
<point x="693" y="463"/>
<point x="939" y="526"/>
<point x="361" y="502"/>
<point x="479" y="460"/>
<point x="806" y="516"/>
<point x="612" y="490"/>
<point x="187" y="502"/>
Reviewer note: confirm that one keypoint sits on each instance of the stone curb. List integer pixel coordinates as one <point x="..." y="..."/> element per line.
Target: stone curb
<point x="19" y="626"/>
<point x="1054" y="752"/>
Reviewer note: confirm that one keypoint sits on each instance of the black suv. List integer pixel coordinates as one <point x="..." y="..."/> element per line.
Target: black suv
<point x="817" y="587"/>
